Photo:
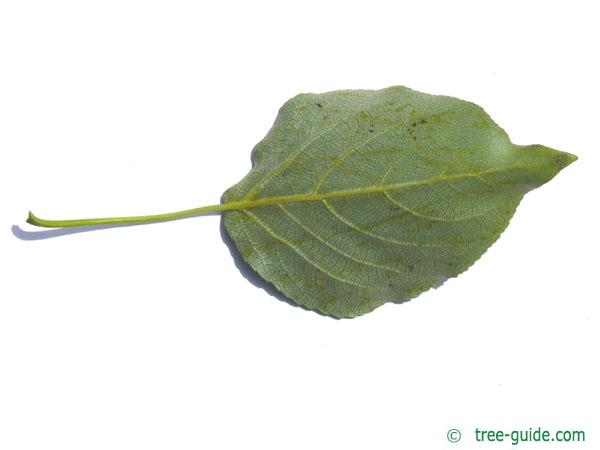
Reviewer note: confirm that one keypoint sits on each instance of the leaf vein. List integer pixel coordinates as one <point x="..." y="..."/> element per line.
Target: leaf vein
<point x="269" y="175"/>
<point x="334" y="248"/>
<point x="344" y="155"/>
<point x="307" y="259"/>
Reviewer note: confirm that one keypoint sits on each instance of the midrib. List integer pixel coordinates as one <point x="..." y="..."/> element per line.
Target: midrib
<point x="318" y="196"/>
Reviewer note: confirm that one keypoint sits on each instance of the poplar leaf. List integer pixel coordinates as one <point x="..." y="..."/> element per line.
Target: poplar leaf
<point x="358" y="198"/>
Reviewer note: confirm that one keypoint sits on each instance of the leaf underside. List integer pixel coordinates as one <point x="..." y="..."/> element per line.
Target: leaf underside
<point x="378" y="195"/>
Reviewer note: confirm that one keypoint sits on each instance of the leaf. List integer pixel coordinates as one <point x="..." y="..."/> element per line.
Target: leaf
<point x="358" y="198"/>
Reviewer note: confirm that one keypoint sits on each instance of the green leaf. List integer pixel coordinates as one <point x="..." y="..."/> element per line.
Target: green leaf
<point x="358" y="198"/>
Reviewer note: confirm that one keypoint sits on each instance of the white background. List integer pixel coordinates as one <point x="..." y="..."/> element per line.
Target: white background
<point x="148" y="337"/>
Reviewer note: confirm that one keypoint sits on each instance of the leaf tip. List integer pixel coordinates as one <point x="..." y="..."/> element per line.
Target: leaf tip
<point x="570" y="158"/>
<point x="545" y="162"/>
<point x="562" y="159"/>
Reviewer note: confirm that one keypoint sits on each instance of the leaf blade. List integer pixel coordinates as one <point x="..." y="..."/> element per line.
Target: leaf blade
<point x="357" y="198"/>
